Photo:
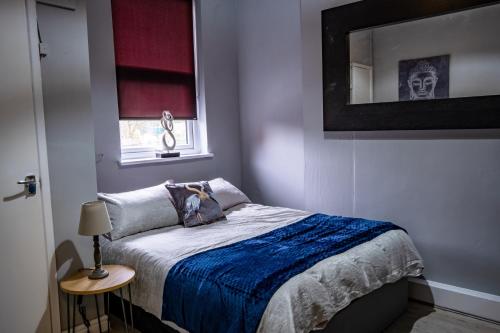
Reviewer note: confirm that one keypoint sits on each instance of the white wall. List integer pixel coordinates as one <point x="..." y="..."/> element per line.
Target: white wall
<point x="361" y="47"/>
<point x="329" y="157"/>
<point x="70" y="135"/>
<point x="270" y="101"/>
<point x="442" y="186"/>
<point x="78" y="104"/>
<point x="218" y="94"/>
<point x="470" y="38"/>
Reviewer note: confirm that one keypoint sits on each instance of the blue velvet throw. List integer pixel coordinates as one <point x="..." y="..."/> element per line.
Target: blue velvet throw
<point x="227" y="289"/>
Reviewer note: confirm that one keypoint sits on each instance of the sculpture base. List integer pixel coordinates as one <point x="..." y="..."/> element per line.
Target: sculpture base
<point x="164" y="154"/>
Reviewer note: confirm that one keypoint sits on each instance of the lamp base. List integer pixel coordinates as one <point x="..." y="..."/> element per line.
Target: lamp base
<point x="98" y="273"/>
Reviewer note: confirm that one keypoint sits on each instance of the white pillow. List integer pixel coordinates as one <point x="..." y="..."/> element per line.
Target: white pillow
<point x="141" y="210"/>
<point x="226" y="194"/>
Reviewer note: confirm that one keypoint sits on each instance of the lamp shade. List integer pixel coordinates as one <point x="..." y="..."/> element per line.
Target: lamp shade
<point x="94" y="219"/>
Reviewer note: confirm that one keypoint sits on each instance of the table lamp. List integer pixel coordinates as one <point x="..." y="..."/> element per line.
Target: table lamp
<point x="94" y="221"/>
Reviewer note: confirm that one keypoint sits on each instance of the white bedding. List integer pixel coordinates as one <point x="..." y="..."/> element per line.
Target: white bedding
<point x="305" y="302"/>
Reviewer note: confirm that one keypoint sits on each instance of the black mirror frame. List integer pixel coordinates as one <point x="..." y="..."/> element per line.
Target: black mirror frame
<point x="339" y="115"/>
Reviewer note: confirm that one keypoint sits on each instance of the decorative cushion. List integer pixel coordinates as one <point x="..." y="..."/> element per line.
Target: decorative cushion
<point x="137" y="211"/>
<point x="226" y="194"/>
<point x="195" y="203"/>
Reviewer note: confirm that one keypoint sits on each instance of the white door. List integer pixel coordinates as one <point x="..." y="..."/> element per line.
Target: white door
<point x="25" y="283"/>
<point x="361" y="84"/>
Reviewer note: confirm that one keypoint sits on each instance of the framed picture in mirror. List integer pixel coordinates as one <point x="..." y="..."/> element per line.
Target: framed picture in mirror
<point x="424" y="78"/>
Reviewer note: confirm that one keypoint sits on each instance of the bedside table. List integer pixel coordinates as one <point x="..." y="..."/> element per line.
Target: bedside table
<point x="80" y="285"/>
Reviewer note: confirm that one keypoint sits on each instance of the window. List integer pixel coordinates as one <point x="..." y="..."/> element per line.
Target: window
<point x="155" y="71"/>
<point x="141" y="138"/>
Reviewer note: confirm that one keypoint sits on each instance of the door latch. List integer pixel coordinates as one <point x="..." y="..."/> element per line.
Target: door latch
<point x="29" y="183"/>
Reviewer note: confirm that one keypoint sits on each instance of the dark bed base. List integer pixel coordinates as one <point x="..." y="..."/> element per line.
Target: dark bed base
<point x="368" y="314"/>
<point x="372" y="313"/>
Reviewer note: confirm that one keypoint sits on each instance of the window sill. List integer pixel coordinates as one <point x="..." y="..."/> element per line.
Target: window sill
<point x="154" y="160"/>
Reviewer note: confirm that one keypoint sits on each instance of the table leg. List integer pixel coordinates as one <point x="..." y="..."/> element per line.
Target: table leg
<point x="74" y="313"/>
<point x="107" y="302"/>
<point x="67" y="313"/>
<point x="130" y="305"/>
<point x="123" y="311"/>
<point x="98" y="314"/>
<point x="83" y="312"/>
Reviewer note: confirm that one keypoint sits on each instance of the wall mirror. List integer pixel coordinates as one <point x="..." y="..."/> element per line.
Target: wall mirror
<point x="392" y="65"/>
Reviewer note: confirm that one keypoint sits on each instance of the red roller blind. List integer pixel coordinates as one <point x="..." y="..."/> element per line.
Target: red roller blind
<point x="154" y="58"/>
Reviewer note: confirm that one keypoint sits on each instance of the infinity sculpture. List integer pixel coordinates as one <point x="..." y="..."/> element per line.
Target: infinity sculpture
<point x="167" y="122"/>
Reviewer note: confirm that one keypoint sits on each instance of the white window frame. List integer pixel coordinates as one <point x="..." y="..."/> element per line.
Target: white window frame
<point x="193" y="147"/>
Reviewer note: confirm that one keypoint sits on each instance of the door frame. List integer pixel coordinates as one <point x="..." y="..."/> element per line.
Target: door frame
<point x="36" y="81"/>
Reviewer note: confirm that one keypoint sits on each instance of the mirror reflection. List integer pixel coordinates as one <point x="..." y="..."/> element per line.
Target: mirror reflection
<point x="453" y="55"/>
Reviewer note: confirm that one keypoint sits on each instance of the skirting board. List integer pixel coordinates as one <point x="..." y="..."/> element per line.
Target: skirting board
<point x="94" y="326"/>
<point x="463" y="300"/>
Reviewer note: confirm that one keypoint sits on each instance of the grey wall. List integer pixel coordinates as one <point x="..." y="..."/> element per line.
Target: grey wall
<point x="270" y="101"/>
<point x="442" y="186"/>
<point x="78" y="104"/>
<point x="218" y="78"/>
<point x="329" y="157"/>
<point x="69" y="127"/>
<point x="470" y="38"/>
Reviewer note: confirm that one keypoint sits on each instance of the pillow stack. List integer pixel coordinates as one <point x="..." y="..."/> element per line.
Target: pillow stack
<point x="226" y="194"/>
<point x="169" y="204"/>
<point x="138" y="211"/>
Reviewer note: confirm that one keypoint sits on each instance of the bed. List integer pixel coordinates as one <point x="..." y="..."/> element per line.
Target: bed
<point x="327" y="296"/>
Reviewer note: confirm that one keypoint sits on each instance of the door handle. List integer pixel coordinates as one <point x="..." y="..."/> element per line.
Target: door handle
<point x="29" y="183"/>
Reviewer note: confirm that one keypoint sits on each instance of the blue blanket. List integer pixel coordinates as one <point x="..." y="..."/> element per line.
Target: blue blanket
<point x="227" y="289"/>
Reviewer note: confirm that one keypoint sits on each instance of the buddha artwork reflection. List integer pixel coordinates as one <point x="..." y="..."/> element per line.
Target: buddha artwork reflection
<point x="422" y="81"/>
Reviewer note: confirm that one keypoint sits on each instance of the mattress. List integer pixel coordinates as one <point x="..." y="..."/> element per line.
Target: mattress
<point x="305" y="302"/>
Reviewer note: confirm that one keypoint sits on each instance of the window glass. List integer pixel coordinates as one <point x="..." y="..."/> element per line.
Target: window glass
<point x="148" y="133"/>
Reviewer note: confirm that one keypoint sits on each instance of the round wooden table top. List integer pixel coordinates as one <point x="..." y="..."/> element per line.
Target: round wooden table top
<point x="79" y="283"/>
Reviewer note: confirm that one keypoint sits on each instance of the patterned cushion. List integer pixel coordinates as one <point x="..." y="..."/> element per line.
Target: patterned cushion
<point x="195" y="203"/>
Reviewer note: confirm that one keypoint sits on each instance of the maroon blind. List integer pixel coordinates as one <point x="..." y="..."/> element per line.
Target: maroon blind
<point x="154" y="58"/>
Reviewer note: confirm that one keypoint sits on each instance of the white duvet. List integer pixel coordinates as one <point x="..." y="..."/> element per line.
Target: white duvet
<point x="305" y="302"/>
